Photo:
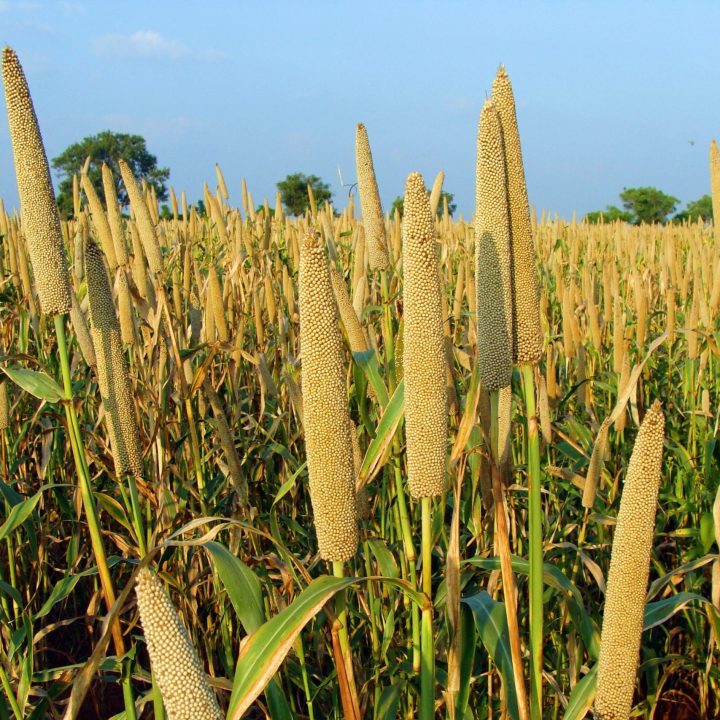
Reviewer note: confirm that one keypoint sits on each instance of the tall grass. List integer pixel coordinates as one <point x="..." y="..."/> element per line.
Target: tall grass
<point x="222" y="400"/>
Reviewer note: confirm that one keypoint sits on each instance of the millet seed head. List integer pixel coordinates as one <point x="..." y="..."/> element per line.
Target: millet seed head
<point x="143" y="219"/>
<point x="424" y="359"/>
<point x="99" y="221"/>
<point x="112" y="371"/>
<point x="4" y="406"/>
<point x="328" y="441"/>
<point x="40" y="218"/>
<point x="715" y="182"/>
<point x="184" y="687"/>
<point x="629" y="570"/>
<point x="527" y="333"/>
<point x="353" y="329"/>
<point x="493" y="266"/>
<point x="113" y="215"/>
<point x="372" y="214"/>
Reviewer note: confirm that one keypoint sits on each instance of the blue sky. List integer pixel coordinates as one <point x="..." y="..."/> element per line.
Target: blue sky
<point x="609" y="95"/>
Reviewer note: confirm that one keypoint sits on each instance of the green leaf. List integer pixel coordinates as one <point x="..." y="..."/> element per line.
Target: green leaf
<point x="385" y="559"/>
<point x="19" y="514"/>
<point x="374" y="457"/>
<point x="553" y="577"/>
<point x="491" y="624"/>
<point x="582" y="696"/>
<point x="8" y="589"/>
<point x="288" y="484"/>
<point x="61" y="590"/>
<point x="468" y="643"/>
<point x="389" y="702"/>
<point x="39" y="384"/>
<point x="242" y="586"/>
<point x="368" y="361"/>
<point x="656" y="613"/>
<point x="707" y="531"/>
<point x="266" y="648"/>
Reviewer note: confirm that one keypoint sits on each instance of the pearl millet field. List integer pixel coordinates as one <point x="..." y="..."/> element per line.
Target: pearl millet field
<point x="356" y="463"/>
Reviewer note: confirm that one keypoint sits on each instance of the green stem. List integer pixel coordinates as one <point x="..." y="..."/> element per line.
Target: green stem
<point x="535" y="550"/>
<point x="427" y="672"/>
<point x="128" y="699"/>
<point x="9" y="694"/>
<point x="411" y="557"/>
<point x="343" y="635"/>
<point x="158" y="707"/>
<point x="388" y="339"/>
<point x="83" y="474"/>
<point x="300" y="651"/>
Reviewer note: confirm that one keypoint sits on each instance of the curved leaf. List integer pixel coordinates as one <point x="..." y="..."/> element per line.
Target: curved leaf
<point x="656" y="613"/>
<point x="554" y="577"/>
<point x="374" y="457"/>
<point x="39" y="384"/>
<point x="242" y="585"/>
<point x="264" y="651"/>
<point x="19" y="514"/>
<point x="582" y="696"/>
<point x="491" y="624"/>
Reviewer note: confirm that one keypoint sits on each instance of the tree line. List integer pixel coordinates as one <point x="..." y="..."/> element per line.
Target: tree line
<point x="639" y="205"/>
<point x="650" y="205"/>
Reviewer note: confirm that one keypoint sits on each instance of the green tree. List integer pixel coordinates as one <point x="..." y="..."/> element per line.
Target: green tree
<point x="398" y="203"/>
<point x="294" y="192"/>
<point x="648" y="204"/>
<point x="700" y="208"/>
<point x="610" y="214"/>
<point x="107" y="147"/>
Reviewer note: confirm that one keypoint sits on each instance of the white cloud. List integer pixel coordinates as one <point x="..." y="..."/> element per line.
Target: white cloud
<point x="142" y="43"/>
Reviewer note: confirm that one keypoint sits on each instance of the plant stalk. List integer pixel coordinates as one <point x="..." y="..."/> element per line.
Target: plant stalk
<point x="427" y="671"/>
<point x="83" y="473"/>
<point x="535" y="551"/>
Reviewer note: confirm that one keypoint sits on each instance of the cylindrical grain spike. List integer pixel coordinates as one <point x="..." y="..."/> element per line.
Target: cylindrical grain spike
<point x="372" y="214"/>
<point x="544" y="410"/>
<point x="527" y="335"/>
<point x="221" y="182"/>
<point x="216" y="299"/>
<point x="113" y="215"/>
<point x="424" y="359"/>
<point x="492" y="256"/>
<point x="715" y="185"/>
<point x="353" y="329"/>
<point x="358" y="258"/>
<point x="436" y="192"/>
<point x="143" y="219"/>
<point x="99" y="221"/>
<point x="127" y="326"/>
<point x="40" y="218"/>
<point x="328" y="442"/>
<point x="4" y="406"/>
<point x="112" y="371"/>
<point x="184" y="687"/>
<point x="592" y="477"/>
<point x="629" y="570"/>
<point x="77" y="320"/>
<point x="226" y="441"/>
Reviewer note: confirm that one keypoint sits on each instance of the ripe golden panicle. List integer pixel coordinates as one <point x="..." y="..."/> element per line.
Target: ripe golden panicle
<point x="40" y="218"/>
<point x="184" y="687"/>
<point x="492" y="256"/>
<point x="424" y="359"/>
<point x="372" y="214"/>
<point x="328" y="441"/>
<point x="527" y="335"/>
<point x="629" y="570"/>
